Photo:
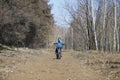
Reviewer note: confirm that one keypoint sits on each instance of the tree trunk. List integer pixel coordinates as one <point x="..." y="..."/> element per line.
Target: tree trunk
<point x="94" y="20"/>
<point x="91" y="37"/>
<point x="116" y="36"/>
<point x="104" y="22"/>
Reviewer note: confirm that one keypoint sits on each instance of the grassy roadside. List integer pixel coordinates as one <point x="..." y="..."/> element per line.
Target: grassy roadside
<point x="106" y="63"/>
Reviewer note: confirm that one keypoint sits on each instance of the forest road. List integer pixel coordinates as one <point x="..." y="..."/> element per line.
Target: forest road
<point x="47" y="67"/>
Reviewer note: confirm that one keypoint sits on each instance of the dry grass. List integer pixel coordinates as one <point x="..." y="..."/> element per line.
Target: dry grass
<point x="106" y="63"/>
<point x="10" y="59"/>
<point x="75" y="65"/>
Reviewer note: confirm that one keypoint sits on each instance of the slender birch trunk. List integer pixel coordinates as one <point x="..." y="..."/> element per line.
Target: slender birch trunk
<point x="116" y="36"/>
<point x="117" y="32"/>
<point x="94" y="27"/>
<point x="71" y="38"/>
<point x="104" y="22"/>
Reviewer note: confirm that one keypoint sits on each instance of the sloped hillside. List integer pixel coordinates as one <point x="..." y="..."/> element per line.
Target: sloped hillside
<point x="25" y="23"/>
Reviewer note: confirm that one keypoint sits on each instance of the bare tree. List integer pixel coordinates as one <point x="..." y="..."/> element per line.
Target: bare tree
<point x="116" y="36"/>
<point x="94" y="24"/>
<point x="99" y="27"/>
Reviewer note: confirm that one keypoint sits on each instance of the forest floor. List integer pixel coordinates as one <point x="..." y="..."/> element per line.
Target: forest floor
<point x="28" y="64"/>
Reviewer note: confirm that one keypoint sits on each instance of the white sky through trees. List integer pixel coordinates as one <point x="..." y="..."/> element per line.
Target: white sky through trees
<point x="59" y="12"/>
<point x="61" y="16"/>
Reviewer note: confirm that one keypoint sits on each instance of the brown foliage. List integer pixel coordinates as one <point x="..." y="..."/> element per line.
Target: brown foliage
<point x="25" y="23"/>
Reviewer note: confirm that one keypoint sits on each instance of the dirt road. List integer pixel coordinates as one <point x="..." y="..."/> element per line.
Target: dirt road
<point x="46" y="67"/>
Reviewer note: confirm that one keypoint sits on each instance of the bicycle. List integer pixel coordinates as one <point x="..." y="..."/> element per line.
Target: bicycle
<point x="58" y="53"/>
